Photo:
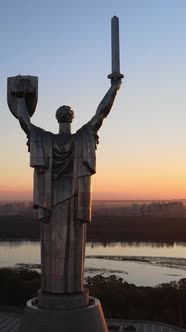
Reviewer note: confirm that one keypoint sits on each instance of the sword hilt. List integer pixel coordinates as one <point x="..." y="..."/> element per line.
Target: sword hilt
<point x="115" y="76"/>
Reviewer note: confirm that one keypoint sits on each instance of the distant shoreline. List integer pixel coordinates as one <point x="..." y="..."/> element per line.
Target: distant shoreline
<point x="103" y="229"/>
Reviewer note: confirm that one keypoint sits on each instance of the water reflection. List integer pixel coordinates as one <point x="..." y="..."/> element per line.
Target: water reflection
<point x="157" y="249"/>
<point x="142" y="263"/>
<point x="158" y="244"/>
<point x="16" y="244"/>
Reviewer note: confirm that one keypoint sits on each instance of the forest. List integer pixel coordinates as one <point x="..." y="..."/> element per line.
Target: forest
<point x="119" y="299"/>
<point x="104" y="228"/>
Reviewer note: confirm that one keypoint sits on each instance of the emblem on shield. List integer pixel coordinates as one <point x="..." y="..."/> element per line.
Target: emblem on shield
<point x="25" y="85"/>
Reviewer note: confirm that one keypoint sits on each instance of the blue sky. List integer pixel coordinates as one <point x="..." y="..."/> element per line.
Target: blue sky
<point x="67" y="45"/>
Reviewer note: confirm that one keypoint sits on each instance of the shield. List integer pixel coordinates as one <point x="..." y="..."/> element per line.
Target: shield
<point x="28" y="85"/>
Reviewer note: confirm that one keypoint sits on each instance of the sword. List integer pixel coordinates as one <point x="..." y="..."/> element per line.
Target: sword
<point x="115" y="49"/>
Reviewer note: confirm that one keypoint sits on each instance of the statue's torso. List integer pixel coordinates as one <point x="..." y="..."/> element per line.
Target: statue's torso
<point x="63" y="163"/>
<point x="63" y="155"/>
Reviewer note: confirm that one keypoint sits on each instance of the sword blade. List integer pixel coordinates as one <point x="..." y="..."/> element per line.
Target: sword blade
<point x="115" y="49"/>
<point x="115" y="44"/>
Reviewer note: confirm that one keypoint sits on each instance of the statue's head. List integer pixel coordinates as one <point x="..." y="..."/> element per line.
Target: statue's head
<point x="64" y="114"/>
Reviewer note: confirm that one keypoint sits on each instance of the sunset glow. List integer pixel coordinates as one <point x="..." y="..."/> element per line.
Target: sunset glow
<point x="141" y="154"/>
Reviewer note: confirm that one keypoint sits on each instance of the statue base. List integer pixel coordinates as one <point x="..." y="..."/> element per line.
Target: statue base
<point x="70" y="318"/>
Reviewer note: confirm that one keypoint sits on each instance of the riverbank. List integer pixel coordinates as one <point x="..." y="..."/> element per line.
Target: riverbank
<point x="104" y="229"/>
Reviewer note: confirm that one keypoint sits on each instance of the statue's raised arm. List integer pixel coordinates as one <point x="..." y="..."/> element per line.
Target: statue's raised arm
<point x="107" y="102"/>
<point x="22" y="99"/>
<point x="105" y="105"/>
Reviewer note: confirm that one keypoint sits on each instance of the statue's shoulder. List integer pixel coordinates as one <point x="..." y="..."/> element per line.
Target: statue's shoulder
<point x="37" y="130"/>
<point x="86" y="128"/>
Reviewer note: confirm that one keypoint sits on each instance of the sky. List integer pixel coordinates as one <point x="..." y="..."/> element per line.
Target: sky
<point x="66" y="43"/>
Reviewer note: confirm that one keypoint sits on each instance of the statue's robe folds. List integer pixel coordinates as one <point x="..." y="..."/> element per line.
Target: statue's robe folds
<point x="63" y="166"/>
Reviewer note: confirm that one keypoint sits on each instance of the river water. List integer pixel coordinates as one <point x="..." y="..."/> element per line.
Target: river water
<point x="144" y="264"/>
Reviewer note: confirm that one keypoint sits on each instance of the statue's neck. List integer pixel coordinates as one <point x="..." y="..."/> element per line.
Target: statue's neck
<point x="65" y="128"/>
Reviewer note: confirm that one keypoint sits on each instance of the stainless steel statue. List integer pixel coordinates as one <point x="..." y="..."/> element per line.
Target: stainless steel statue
<point x="63" y="165"/>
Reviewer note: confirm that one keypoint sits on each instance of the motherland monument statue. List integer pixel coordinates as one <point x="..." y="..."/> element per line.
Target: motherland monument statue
<point x="63" y="165"/>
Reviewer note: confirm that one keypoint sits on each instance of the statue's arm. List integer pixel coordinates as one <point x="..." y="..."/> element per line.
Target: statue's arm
<point x="106" y="104"/>
<point x="23" y="115"/>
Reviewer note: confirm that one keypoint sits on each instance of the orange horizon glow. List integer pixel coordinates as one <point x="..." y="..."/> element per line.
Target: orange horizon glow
<point x="129" y="185"/>
<point x="14" y="195"/>
<point x="115" y="179"/>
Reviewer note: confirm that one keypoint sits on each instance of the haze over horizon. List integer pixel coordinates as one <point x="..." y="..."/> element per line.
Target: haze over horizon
<point x="66" y="44"/>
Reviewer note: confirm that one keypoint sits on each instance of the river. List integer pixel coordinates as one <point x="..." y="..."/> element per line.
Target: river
<point x="144" y="264"/>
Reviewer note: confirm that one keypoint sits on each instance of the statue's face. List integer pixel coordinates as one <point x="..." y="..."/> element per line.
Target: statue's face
<point x="64" y="114"/>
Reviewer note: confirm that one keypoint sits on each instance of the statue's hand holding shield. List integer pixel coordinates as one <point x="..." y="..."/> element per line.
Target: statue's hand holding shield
<point x="22" y="87"/>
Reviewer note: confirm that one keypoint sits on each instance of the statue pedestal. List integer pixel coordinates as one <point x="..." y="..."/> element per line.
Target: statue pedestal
<point x="63" y="318"/>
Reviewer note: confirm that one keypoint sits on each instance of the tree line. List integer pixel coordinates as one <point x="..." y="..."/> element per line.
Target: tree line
<point x="165" y="302"/>
<point x="104" y="228"/>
